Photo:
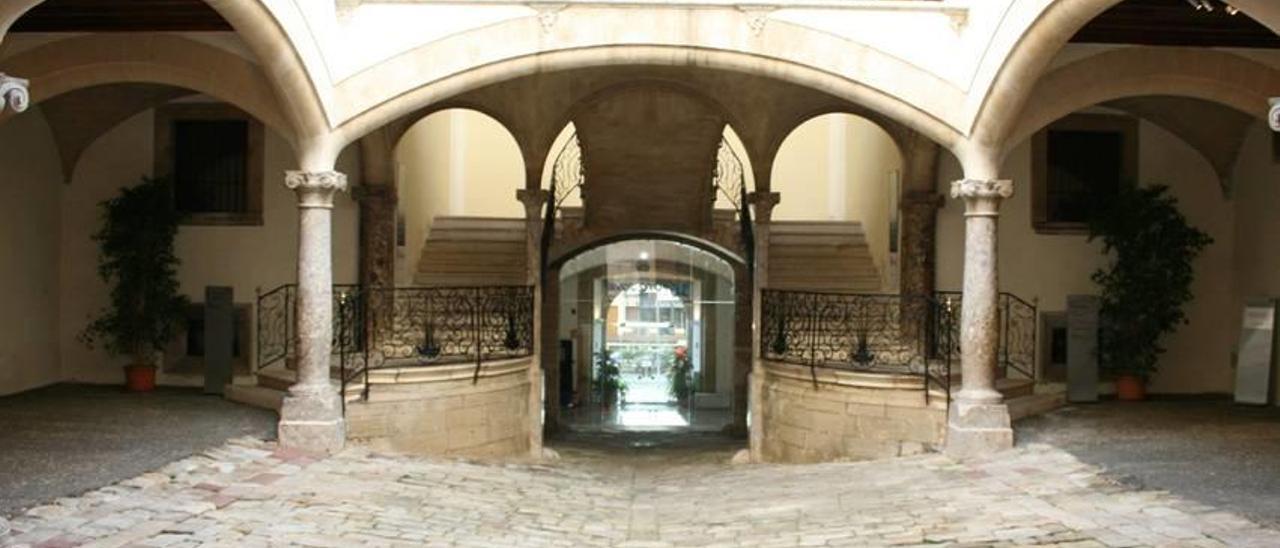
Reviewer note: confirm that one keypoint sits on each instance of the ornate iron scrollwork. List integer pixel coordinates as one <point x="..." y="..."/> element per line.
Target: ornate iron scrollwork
<point x="567" y="174"/>
<point x="729" y="178"/>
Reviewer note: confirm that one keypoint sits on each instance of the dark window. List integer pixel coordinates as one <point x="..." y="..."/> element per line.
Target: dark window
<point x="1084" y="168"/>
<point x="213" y="153"/>
<point x="210" y="165"/>
<point x="1058" y="345"/>
<point x="1079" y="162"/>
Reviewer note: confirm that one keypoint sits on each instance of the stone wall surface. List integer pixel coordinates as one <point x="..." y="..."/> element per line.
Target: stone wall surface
<point x="30" y="194"/>
<point x="440" y="411"/>
<point x="848" y="416"/>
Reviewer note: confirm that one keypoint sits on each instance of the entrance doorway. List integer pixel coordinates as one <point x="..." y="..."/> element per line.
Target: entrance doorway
<point x="646" y="338"/>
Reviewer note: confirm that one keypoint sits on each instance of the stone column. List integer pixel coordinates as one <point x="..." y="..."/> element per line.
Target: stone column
<point x="549" y="353"/>
<point x="14" y="93"/>
<point x="979" y="422"/>
<point x="311" y="416"/>
<point x="919" y="226"/>
<point x="378" y="204"/>
<point x="762" y="204"/>
<point x="534" y="201"/>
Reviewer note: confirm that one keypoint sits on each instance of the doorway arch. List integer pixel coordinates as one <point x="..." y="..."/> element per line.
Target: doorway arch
<point x="644" y="336"/>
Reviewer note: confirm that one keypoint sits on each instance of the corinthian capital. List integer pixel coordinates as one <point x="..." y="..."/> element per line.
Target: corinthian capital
<point x="973" y="189"/>
<point x="315" y="188"/>
<point x="13" y="91"/>
<point x="982" y="197"/>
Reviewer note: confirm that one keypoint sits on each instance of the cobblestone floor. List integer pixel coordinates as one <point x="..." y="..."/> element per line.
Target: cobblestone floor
<point x="247" y="493"/>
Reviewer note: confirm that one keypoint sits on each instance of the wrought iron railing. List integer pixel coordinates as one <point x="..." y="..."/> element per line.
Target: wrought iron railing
<point x="860" y="332"/>
<point x="1016" y="352"/>
<point x="567" y="174"/>
<point x="729" y="179"/>
<point x="275" y="322"/>
<point x="406" y="327"/>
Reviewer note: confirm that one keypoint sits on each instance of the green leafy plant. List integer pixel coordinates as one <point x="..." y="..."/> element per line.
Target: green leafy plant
<point x="681" y="376"/>
<point x="137" y="260"/>
<point x="608" y="384"/>
<point x="1148" y="280"/>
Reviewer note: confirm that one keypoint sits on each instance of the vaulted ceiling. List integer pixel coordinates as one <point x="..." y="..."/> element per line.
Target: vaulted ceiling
<point x="121" y="16"/>
<point x="1176" y="23"/>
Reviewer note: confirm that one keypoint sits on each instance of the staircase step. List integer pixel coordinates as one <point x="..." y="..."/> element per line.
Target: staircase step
<point x="470" y="246"/>
<point x="460" y="235"/>
<point x="1035" y="404"/>
<point x="1015" y="388"/>
<point x="469" y="221"/>
<point x="276" y="378"/>
<point x="814" y="240"/>
<point x="255" y="395"/>
<point x="816" y="227"/>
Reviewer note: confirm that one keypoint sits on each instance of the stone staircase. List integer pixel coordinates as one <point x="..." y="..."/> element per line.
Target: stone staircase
<point x="273" y="382"/>
<point x="821" y="256"/>
<point x="1024" y="397"/>
<point x="473" y="251"/>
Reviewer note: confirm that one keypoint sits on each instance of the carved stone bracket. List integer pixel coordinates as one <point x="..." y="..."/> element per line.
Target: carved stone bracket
<point x="757" y="17"/>
<point x="14" y="93"/>
<point x="315" y="189"/>
<point x="548" y="13"/>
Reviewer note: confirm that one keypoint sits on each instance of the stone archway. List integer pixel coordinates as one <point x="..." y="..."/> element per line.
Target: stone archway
<point x="1031" y="36"/>
<point x="77" y="63"/>
<point x="582" y="305"/>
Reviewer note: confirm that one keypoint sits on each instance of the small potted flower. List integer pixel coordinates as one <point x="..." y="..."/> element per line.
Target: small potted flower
<point x="608" y="384"/>
<point x="682" y="384"/>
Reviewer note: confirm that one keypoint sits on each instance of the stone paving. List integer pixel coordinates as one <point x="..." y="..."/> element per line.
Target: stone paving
<point x="248" y="493"/>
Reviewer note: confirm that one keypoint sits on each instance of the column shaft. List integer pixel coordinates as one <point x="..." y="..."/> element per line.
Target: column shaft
<point x="919" y="226"/>
<point x="540" y="398"/>
<point x="378" y="205"/>
<point x="762" y="204"/>
<point x="978" y="422"/>
<point x="311" y="415"/>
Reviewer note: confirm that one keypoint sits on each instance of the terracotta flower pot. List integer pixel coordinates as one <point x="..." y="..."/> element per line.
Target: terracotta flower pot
<point x="1131" y="388"/>
<point x="140" y="378"/>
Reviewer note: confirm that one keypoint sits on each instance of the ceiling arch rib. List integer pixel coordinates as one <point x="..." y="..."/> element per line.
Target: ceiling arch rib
<point x="907" y="93"/>
<point x="1028" y="39"/>
<point x="1219" y="77"/>
<point x="93" y="60"/>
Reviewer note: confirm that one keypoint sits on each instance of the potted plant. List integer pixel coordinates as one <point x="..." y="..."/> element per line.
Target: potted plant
<point x="608" y="383"/>
<point x="137" y="261"/>
<point x="1146" y="283"/>
<point x="681" y="378"/>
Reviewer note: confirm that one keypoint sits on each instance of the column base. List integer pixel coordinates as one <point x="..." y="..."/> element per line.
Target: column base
<point x="978" y="429"/>
<point x="311" y="421"/>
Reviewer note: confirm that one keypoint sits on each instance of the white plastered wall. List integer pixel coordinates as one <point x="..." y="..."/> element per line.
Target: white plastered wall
<point x="30" y="190"/>
<point x="454" y="162"/>
<point x="838" y="167"/>
<point x="1047" y="268"/>
<point x="1256" y="194"/>
<point x="244" y="257"/>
